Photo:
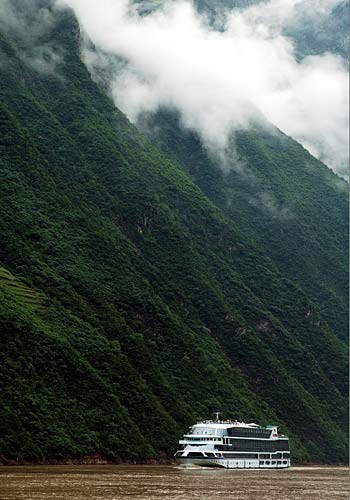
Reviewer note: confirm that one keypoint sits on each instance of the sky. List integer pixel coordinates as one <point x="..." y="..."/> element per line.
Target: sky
<point x="225" y="78"/>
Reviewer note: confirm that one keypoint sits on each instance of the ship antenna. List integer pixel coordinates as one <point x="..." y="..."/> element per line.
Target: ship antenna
<point x="217" y="413"/>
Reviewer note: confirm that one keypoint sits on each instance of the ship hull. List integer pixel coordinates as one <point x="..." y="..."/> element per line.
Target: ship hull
<point x="233" y="464"/>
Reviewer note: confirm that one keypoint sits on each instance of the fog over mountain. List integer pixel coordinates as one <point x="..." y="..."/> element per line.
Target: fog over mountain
<point x="221" y="79"/>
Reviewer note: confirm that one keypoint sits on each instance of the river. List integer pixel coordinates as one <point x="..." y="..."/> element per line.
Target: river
<point x="150" y="482"/>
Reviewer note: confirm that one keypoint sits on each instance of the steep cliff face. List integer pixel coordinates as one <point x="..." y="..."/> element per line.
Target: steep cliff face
<point x="155" y="306"/>
<point x="291" y="205"/>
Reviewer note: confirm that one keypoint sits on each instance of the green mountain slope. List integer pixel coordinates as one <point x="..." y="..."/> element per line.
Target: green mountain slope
<point x="156" y="308"/>
<point x="289" y="204"/>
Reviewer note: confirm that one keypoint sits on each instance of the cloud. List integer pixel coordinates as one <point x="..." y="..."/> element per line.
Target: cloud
<point x="279" y="14"/>
<point x="222" y="79"/>
<point x="30" y="22"/>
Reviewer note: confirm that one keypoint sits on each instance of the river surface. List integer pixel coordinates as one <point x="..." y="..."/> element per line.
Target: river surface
<point x="171" y="483"/>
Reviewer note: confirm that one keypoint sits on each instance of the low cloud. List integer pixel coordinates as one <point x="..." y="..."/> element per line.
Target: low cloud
<point x="221" y="79"/>
<point x="29" y="22"/>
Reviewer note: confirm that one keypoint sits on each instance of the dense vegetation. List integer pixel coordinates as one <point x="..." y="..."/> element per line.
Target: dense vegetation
<point x="280" y="197"/>
<point x="132" y="304"/>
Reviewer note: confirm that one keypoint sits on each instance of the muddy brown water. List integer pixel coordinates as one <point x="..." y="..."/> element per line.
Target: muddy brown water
<point x="171" y="483"/>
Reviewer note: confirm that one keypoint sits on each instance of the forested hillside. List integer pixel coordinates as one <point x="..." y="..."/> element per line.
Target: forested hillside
<point x="291" y="205"/>
<point x="132" y="300"/>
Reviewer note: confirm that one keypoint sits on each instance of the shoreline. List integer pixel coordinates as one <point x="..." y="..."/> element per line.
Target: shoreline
<point x="88" y="460"/>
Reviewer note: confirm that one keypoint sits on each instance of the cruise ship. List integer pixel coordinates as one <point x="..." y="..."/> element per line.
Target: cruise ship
<point x="234" y="445"/>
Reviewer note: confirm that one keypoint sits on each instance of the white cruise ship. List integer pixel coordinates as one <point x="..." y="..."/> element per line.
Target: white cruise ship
<point x="234" y="445"/>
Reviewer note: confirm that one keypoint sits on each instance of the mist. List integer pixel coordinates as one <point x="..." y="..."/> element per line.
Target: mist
<point x="223" y="79"/>
<point x="29" y="22"/>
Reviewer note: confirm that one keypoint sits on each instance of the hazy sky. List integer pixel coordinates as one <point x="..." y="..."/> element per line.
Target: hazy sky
<point x="220" y="80"/>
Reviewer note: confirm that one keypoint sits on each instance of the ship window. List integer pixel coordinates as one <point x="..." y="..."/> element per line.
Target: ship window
<point x="195" y="454"/>
<point x="199" y="430"/>
<point x="273" y="462"/>
<point x="242" y="456"/>
<point x="209" y="454"/>
<point x="267" y="462"/>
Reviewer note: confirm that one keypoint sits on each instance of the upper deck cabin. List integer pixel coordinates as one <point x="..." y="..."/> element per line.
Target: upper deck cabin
<point x="215" y="430"/>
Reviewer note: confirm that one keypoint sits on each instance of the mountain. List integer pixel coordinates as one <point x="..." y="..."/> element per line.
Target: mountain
<point x="132" y="301"/>
<point x="312" y="30"/>
<point x="319" y="34"/>
<point x="281" y="198"/>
